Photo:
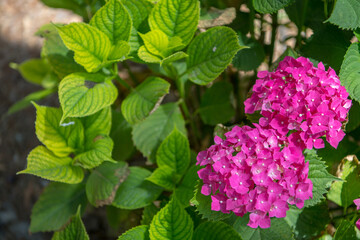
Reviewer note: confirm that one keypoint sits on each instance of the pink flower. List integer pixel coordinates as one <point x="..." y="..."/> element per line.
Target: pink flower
<point x="256" y="171"/>
<point x="300" y="97"/>
<point x="357" y="203"/>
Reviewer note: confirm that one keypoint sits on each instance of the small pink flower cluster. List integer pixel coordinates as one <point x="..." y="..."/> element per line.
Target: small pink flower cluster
<point x="253" y="170"/>
<point x="261" y="170"/>
<point x="299" y="98"/>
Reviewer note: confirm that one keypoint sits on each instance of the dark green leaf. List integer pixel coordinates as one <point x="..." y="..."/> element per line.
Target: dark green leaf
<point x="215" y="106"/>
<point x="215" y="231"/>
<point x="270" y="6"/>
<point x="346" y="14"/>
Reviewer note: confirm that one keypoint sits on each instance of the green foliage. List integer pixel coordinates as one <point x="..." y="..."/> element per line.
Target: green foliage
<point x="249" y="58"/>
<point x="346" y="230"/>
<point x="308" y="222"/>
<point x="350" y="71"/>
<point x="218" y="47"/>
<point x="176" y="18"/>
<point x="279" y="229"/>
<point x="113" y="20"/>
<point x="91" y="47"/>
<point x="60" y="139"/>
<point x="136" y="192"/>
<point x="104" y="181"/>
<point x="74" y="230"/>
<point x="171" y="222"/>
<point x="185" y="191"/>
<point x="43" y="163"/>
<point x="56" y="205"/>
<point x="97" y="124"/>
<point x="121" y="135"/>
<point x="96" y="152"/>
<point x="215" y="231"/>
<point x="215" y="105"/>
<point x="83" y="94"/>
<point x="319" y="176"/>
<point x="270" y="6"/>
<point x="37" y="71"/>
<point x="148" y="214"/>
<point x="203" y="206"/>
<point x="172" y="158"/>
<point x="328" y="45"/>
<point x="346" y="14"/>
<point x="144" y="99"/>
<point x="139" y="233"/>
<point x="148" y="134"/>
<point x="343" y="193"/>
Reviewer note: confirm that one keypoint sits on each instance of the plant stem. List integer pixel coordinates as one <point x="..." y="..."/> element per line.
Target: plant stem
<point x="122" y="82"/>
<point x="132" y="76"/>
<point x="302" y="21"/>
<point x="273" y="35"/>
<point x="252" y="18"/>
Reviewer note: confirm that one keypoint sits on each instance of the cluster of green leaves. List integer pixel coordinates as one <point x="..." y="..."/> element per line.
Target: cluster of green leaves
<point x="88" y="139"/>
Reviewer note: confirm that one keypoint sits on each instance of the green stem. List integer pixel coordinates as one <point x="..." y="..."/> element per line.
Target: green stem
<point x="302" y="21"/>
<point x="273" y="35"/>
<point x="122" y="82"/>
<point x="131" y="74"/>
<point x="252" y="18"/>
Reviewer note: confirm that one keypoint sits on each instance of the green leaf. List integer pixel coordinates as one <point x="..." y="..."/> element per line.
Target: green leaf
<point x="121" y="135"/>
<point x="137" y="233"/>
<point x="270" y="6"/>
<point x="56" y="205"/>
<point x="83" y="94"/>
<point x="215" y="105"/>
<point x="173" y="158"/>
<point x="308" y="222"/>
<point x="43" y="163"/>
<point x="164" y="177"/>
<point x="74" y="230"/>
<point x="156" y="42"/>
<point x="171" y="222"/>
<point x="148" y="57"/>
<point x="60" y="139"/>
<point x="113" y="20"/>
<point x="104" y="181"/>
<point x="144" y="99"/>
<point x="176" y="18"/>
<point x="185" y="191"/>
<point x="139" y="11"/>
<point x="172" y="58"/>
<point x="203" y="206"/>
<point x="75" y="6"/>
<point x="26" y="101"/>
<point x="329" y="45"/>
<point x="249" y="58"/>
<point x="354" y="117"/>
<point x="346" y="230"/>
<point x="319" y="176"/>
<point x="174" y="152"/>
<point x="350" y="71"/>
<point x="210" y="53"/>
<point x="345" y="192"/>
<point x="119" y="51"/>
<point x="97" y="124"/>
<point x="215" y="231"/>
<point x="136" y="192"/>
<point x="148" y="134"/>
<point x="91" y="46"/>
<point x="279" y="229"/>
<point x="148" y="214"/>
<point x="346" y="14"/>
<point x="37" y="71"/>
<point x="96" y="152"/>
<point x="54" y="50"/>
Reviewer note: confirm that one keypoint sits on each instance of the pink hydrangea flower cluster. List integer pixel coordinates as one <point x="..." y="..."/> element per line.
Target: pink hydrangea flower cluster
<point x="261" y="170"/>
<point x="303" y="100"/>
<point x="254" y="170"/>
